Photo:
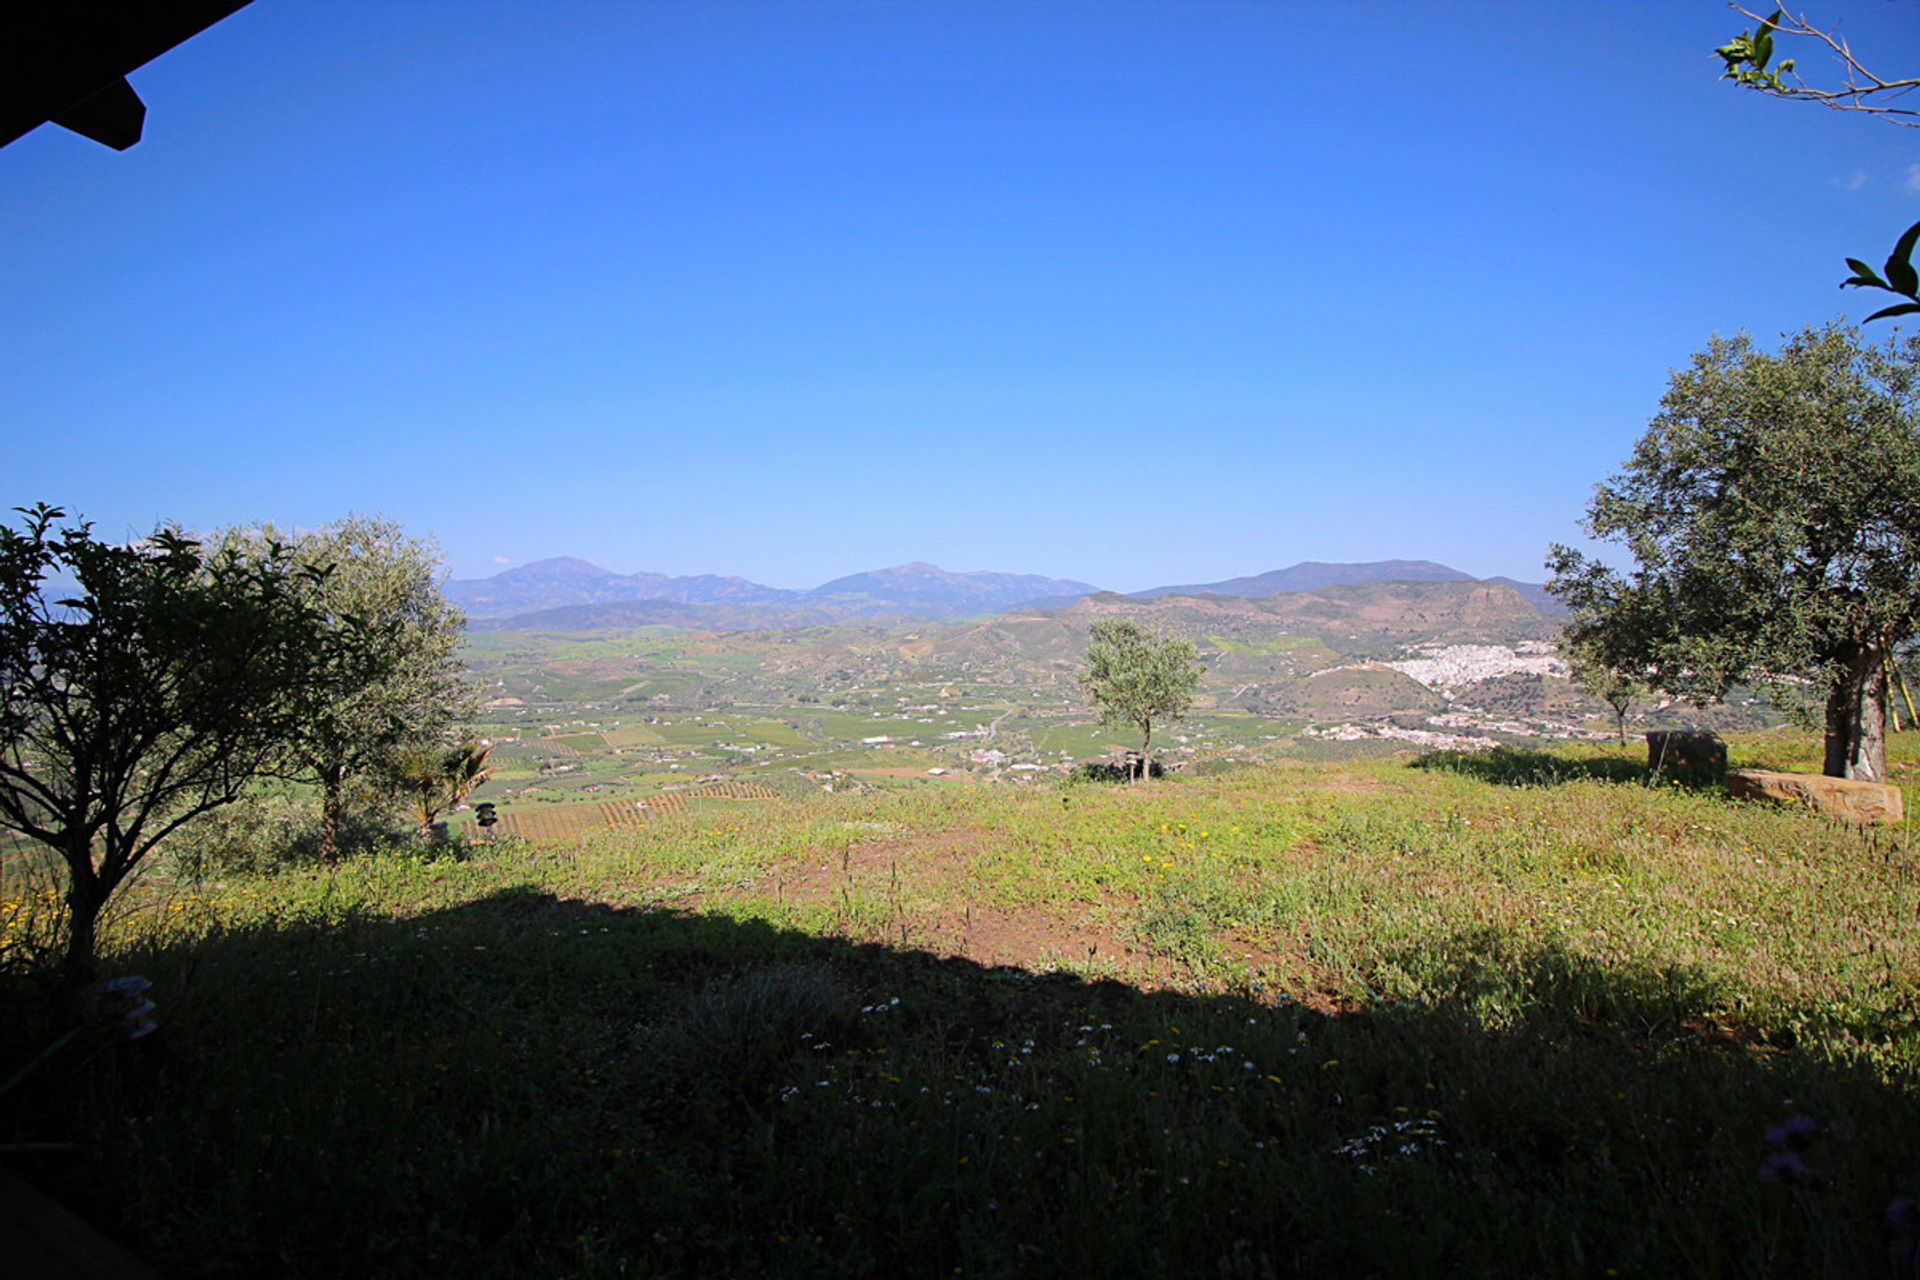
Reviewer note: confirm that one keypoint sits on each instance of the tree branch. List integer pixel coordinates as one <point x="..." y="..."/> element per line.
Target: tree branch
<point x="1864" y="91"/>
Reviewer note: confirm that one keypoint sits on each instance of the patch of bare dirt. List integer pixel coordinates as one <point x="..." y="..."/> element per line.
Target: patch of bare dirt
<point x="1031" y="937"/>
<point x="1308" y="984"/>
<point x="915" y="863"/>
<point x="1354" y="784"/>
<point x="911" y="867"/>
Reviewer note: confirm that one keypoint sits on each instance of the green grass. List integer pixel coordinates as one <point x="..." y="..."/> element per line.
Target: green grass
<point x="1527" y="1013"/>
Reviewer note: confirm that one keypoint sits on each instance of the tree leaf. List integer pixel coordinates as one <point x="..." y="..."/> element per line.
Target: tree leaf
<point x="1900" y="272"/>
<point x="1863" y="275"/>
<point x="1904" y="309"/>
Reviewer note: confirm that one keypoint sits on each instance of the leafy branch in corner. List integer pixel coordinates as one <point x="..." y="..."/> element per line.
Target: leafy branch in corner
<point x="1748" y="54"/>
<point x="1901" y="279"/>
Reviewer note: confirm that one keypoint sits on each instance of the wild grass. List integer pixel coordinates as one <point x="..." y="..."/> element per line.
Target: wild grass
<point x="1521" y="1014"/>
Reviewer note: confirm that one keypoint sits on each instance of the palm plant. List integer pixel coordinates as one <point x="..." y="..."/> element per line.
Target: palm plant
<point x="432" y="777"/>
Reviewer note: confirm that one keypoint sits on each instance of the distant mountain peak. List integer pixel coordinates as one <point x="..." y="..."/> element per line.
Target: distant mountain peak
<point x="926" y="590"/>
<point x="570" y="565"/>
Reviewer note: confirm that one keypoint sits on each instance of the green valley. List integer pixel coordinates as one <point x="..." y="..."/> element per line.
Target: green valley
<point x="594" y="723"/>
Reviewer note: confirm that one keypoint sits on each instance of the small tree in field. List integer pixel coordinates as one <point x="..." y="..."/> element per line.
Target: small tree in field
<point x="1609" y="664"/>
<point x="1138" y="679"/>
<point x="1772" y="510"/>
<point x="1609" y="685"/>
<point x="140" y="686"/>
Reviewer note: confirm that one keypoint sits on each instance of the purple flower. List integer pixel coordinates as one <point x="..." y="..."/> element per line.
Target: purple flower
<point x="1794" y="1133"/>
<point x="1783" y="1166"/>
<point x="1903" y="1215"/>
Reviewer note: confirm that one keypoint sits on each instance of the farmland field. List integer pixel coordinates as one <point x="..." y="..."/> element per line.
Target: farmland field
<point x="563" y="822"/>
<point x="614" y="716"/>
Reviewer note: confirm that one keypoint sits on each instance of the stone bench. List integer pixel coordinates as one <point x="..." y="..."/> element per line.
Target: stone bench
<point x="1686" y="753"/>
<point x="1844" y="798"/>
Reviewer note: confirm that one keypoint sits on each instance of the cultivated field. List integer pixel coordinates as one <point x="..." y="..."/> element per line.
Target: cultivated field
<point x="617" y="716"/>
<point x="571" y="821"/>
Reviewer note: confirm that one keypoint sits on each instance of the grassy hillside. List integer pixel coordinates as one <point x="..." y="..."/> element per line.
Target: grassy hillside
<point x="1509" y="1013"/>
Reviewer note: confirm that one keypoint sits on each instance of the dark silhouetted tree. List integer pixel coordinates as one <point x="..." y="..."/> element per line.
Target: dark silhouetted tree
<point x="140" y="686"/>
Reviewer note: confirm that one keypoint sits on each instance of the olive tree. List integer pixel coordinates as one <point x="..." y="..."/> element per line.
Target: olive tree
<point x="393" y="677"/>
<point x="1772" y="514"/>
<point x="1138" y="678"/>
<point x="140" y="686"/>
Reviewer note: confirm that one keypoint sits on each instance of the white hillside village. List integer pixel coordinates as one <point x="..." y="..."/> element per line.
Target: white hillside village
<point x="1447" y="669"/>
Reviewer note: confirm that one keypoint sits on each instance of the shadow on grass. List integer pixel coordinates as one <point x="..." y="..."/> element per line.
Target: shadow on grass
<point x="1513" y="767"/>
<point x="529" y="1085"/>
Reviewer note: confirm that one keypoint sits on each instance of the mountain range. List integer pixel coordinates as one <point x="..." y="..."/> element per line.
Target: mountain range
<point x="569" y="585"/>
<point x="1311" y="575"/>
<point x="566" y="593"/>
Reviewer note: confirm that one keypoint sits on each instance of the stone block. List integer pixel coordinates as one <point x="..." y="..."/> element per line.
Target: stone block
<point x="1844" y="798"/>
<point x="1686" y="753"/>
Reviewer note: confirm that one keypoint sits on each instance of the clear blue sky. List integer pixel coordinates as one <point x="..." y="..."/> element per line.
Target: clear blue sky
<point x="1130" y="293"/>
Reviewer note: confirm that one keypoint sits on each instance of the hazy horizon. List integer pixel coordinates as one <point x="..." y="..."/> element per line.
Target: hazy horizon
<point x="1042" y="572"/>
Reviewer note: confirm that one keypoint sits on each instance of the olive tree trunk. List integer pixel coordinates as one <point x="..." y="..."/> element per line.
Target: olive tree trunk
<point x="86" y="896"/>
<point x="1857" y="716"/>
<point x="332" y="803"/>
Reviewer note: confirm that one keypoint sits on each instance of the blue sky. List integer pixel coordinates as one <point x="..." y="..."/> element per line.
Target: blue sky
<point x="1129" y="293"/>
